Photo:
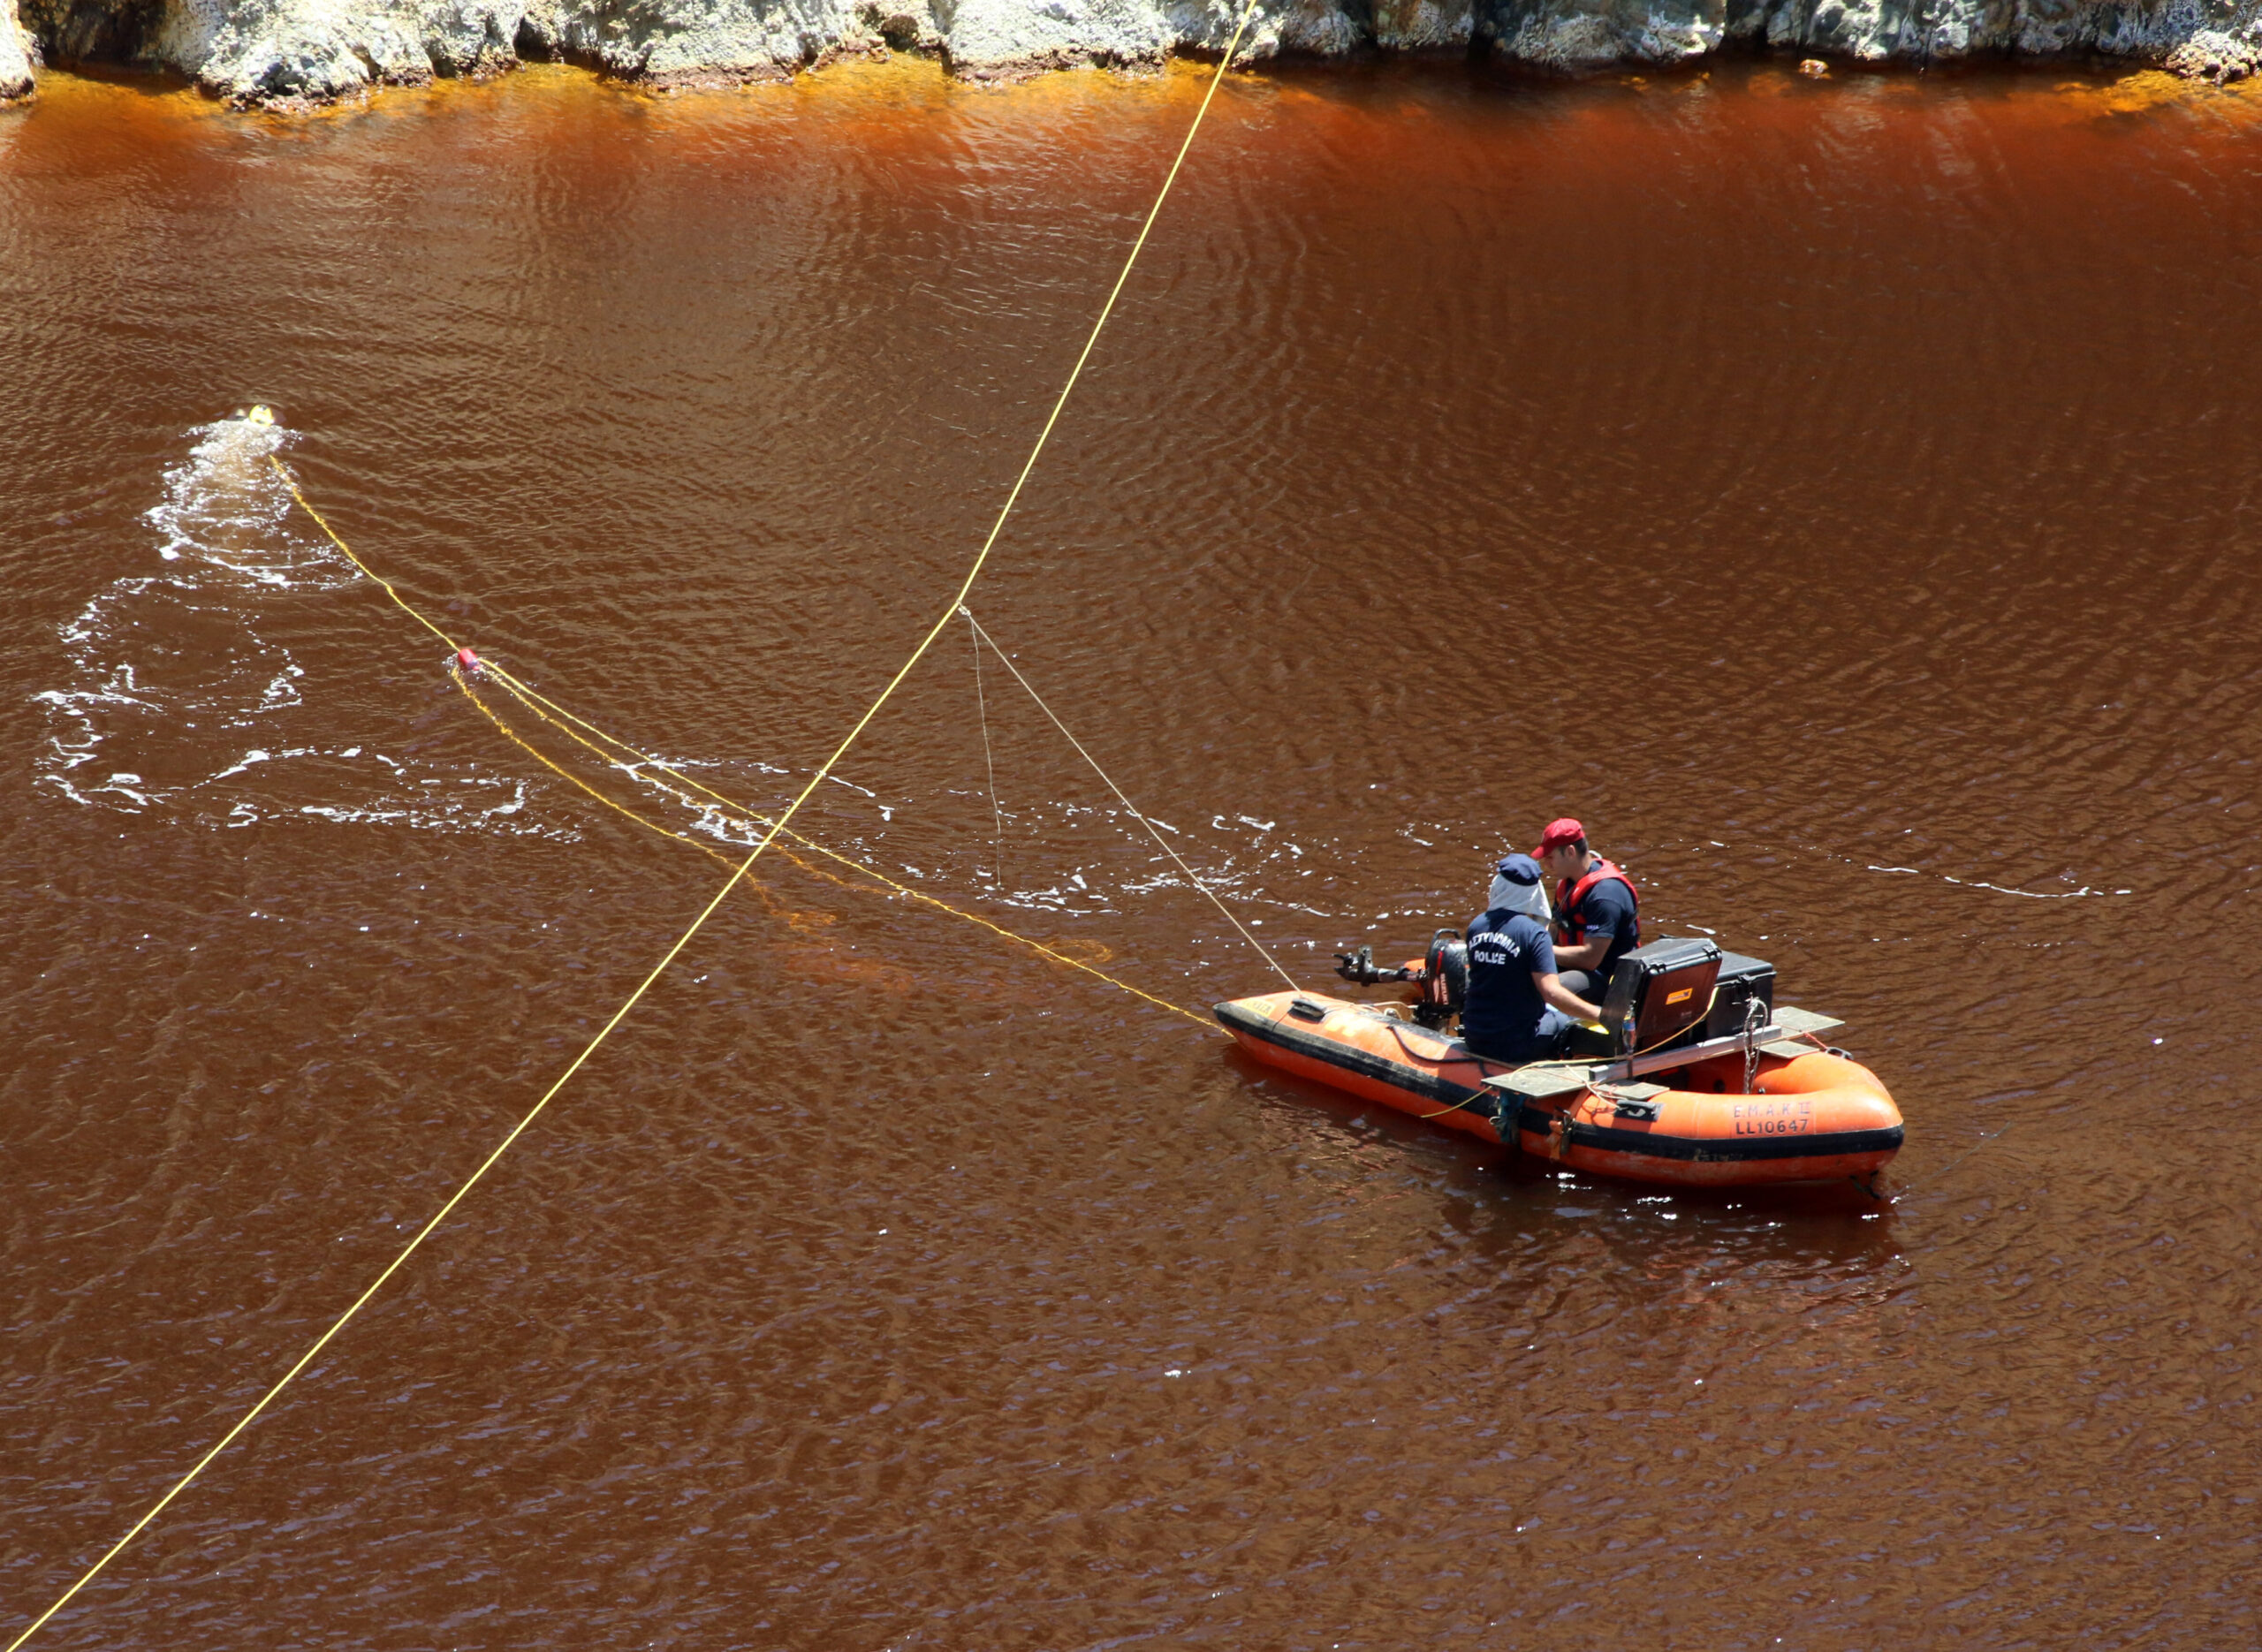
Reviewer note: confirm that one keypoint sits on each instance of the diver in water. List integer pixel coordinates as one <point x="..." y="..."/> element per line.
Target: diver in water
<point x="1517" y="1009"/>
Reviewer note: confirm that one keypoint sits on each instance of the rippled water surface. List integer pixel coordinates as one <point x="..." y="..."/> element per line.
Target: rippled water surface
<point x="1844" y="497"/>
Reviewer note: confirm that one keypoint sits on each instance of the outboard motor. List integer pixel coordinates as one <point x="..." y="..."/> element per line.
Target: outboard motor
<point x="1444" y="980"/>
<point x="1441" y="978"/>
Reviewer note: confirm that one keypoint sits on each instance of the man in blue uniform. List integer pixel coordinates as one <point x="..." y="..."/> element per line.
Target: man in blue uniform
<point x="1597" y="913"/>
<point x="1515" y="1008"/>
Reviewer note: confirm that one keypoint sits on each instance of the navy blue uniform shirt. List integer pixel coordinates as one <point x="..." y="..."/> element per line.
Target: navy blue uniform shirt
<point x="1501" y="1014"/>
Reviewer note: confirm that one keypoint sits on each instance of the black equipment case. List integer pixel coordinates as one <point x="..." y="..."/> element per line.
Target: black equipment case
<point x="1661" y="990"/>
<point x="1742" y="980"/>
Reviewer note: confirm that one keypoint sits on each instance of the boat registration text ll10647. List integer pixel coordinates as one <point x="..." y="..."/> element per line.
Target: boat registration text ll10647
<point x="1793" y="1116"/>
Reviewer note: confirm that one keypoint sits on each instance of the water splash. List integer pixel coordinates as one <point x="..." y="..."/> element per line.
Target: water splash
<point x="176" y="700"/>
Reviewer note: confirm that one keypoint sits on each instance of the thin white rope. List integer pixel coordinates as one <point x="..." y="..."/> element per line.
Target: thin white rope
<point x="982" y="707"/>
<point x="1152" y="831"/>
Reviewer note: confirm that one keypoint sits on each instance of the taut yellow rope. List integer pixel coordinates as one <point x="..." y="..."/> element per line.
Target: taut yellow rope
<point x="949" y="608"/>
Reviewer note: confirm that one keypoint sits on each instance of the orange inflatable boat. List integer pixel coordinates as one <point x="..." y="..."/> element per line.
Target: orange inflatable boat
<point x="1751" y="1096"/>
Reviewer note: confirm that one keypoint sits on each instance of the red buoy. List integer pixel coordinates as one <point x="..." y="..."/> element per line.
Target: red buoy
<point x="466" y="660"/>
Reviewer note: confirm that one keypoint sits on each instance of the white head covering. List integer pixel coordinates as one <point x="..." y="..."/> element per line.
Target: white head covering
<point x="1516" y="887"/>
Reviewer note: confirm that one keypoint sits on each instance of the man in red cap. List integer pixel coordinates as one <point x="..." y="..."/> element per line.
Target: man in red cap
<point x="1596" y="914"/>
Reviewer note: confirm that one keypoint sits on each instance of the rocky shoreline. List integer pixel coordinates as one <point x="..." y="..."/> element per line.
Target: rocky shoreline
<point x="299" y="54"/>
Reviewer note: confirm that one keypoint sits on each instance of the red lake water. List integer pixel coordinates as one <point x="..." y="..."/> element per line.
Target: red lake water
<point x="1844" y="497"/>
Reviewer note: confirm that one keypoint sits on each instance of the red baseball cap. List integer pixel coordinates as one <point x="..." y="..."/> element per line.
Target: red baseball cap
<point x="1558" y="833"/>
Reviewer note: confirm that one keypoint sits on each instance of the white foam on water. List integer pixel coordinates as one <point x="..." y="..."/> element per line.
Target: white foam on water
<point x="175" y="701"/>
<point x="1132" y="876"/>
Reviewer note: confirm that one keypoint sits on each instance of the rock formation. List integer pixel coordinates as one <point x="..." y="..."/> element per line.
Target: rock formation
<point x="285" y="53"/>
<point x="15" y="55"/>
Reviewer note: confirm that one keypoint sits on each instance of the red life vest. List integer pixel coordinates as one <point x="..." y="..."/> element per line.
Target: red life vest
<point x="1569" y="894"/>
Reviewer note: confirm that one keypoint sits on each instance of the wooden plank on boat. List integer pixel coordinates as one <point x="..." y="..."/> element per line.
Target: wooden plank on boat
<point x="1539" y="1081"/>
<point x="1791" y="1018"/>
<point x="1789" y="1049"/>
<point x="1640" y="1091"/>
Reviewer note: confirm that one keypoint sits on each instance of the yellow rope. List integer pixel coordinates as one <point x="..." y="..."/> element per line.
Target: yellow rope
<point x="559" y="717"/>
<point x="874" y="873"/>
<point x="697" y="923"/>
<point x="369" y="572"/>
<point x="393" y="1267"/>
<point x="1483" y="1061"/>
<point x="982" y="557"/>
<point x="537" y="701"/>
<point x="571" y="778"/>
<point x="1594" y="1061"/>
